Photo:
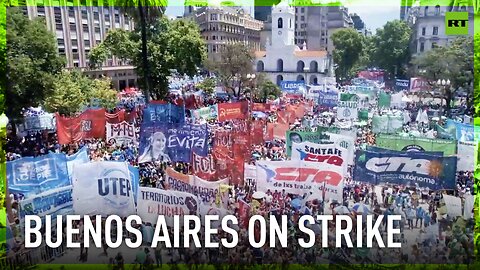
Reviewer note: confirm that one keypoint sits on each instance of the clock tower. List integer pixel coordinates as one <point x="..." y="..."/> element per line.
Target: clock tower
<point x="283" y="25"/>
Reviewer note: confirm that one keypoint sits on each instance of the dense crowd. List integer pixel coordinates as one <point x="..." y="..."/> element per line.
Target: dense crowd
<point x="437" y="237"/>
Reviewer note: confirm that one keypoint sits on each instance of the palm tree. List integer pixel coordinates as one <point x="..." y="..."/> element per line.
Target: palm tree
<point x="144" y="13"/>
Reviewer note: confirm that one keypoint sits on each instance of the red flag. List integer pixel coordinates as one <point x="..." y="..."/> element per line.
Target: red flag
<point x="204" y="167"/>
<point x="90" y="124"/>
<point x="276" y="131"/>
<point x="261" y="107"/>
<point x="244" y="214"/>
<point x="230" y="111"/>
<point x="258" y="130"/>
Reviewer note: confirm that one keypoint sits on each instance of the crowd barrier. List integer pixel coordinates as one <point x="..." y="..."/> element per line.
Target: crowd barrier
<point x="25" y="259"/>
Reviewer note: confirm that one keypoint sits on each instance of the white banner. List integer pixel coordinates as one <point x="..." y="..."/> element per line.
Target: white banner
<point x="301" y="177"/>
<point x="453" y="205"/>
<point x="57" y="201"/>
<point x="324" y="153"/>
<point x="121" y="133"/>
<point x="468" y="207"/>
<point x="347" y="113"/>
<point x="466" y="156"/>
<point x="347" y="142"/>
<point x="206" y="191"/>
<point x="153" y="202"/>
<point x="249" y="174"/>
<point x="103" y="188"/>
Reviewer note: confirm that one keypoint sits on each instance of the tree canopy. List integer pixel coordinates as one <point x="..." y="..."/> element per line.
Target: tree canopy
<point x="348" y="48"/>
<point x="73" y="91"/>
<point x="33" y="62"/>
<point x="232" y="67"/>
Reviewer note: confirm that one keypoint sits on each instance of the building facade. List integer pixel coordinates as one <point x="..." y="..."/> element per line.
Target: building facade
<point x="79" y="29"/>
<point x="224" y="25"/>
<point x="428" y="25"/>
<point x="283" y="60"/>
<point x="359" y="25"/>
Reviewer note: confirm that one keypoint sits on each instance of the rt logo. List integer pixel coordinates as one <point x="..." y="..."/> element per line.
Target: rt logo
<point x="456" y="23"/>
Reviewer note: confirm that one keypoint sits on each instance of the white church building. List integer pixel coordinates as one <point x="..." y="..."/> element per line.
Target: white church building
<point x="283" y="60"/>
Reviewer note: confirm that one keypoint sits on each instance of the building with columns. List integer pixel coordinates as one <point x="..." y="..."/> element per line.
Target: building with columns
<point x="283" y="60"/>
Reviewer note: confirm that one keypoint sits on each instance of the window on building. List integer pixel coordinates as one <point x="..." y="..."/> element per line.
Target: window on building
<point x="61" y="50"/>
<point x="73" y="28"/>
<point x="85" y="28"/>
<point x="76" y="64"/>
<point x="424" y="31"/>
<point x="422" y="46"/>
<point x="86" y="43"/>
<point x="107" y="17"/>
<point x="74" y="42"/>
<point x="97" y="30"/>
<point x="96" y="16"/>
<point x="437" y="10"/>
<point x="280" y="23"/>
<point x="117" y="18"/>
<point x="302" y="18"/>
<point x="434" y="45"/>
<point x="213" y="17"/>
<point x="302" y="10"/>
<point x="214" y="37"/>
<point x="71" y="12"/>
<point x="60" y="42"/>
<point x="435" y="30"/>
<point x="425" y="13"/>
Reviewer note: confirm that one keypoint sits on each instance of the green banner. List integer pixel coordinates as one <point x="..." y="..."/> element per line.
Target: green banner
<point x="416" y="144"/>
<point x="384" y="100"/>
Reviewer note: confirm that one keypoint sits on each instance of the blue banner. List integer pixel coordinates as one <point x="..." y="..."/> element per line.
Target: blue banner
<point x="135" y="176"/>
<point x="383" y="150"/>
<point x="292" y="86"/>
<point x="82" y="156"/>
<point x="463" y="132"/>
<point x="402" y="85"/>
<point x="31" y="175"/>
<point x="172" y="143"/>
<point x="409" y="169"/>
<point x="53" y="202"/>
<point x="164" y="114"/>
<point x="328" y="99"/>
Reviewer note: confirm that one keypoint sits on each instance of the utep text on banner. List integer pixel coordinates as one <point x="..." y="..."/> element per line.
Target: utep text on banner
<point x="410" y="169"/>
<point x="31" y="176"/>
<point x="172" y="143"/>
<point x="301" y="177"/>
<point x="103" y="188"/>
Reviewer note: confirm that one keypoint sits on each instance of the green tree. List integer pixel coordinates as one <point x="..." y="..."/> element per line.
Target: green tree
<point x="391" y="48"/>
<point x="348" y="48"/>
<point x="67" y="97"/>
<point x="144" y="12"/>
<point x="102" y="94"/>
<point x="208" y="86"/>
<point x="266" y="90"/>
<point x="171" y="45"/>
<point x="477" y="75"/>
<point x="32" y="59"/>
<point x="232" y="67"/>
<point x="453" y="62"/>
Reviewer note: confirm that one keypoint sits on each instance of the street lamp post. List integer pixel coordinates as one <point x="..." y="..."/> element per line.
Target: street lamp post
<point x="251" y="79"/>
<point x="443" y="84"/>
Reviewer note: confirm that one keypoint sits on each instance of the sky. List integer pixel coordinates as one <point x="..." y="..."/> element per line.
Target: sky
<point x="374" y="16"/>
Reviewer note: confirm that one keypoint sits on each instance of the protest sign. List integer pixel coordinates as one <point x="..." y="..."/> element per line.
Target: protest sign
<point x="88" y="125"/>
<point x="35" y="175"/>
<point x="453" y="205"/>
<point x="121" y="116"/>
<point x="300" y="177"/>
<point x="463" y="132"/>
<point x="57" y="201"/>
<point x="206" y="191"/>
<point x="328" y="99"/>
<point x="103" y="188"/>
<point x="347" y="107"/>
<point x="324" y="153"/>
<point x="416" y="144"/>
<point x="205" y="113"/>
<point x="204" y="167"/>
<point x="466" y="156"/>
<point x="402" y="85"/>
<point x="154" y="202"/>
<point x="172" y="143"/>
<point x="387" y="124"/>
<point x="163" y="114"/>
<point x="230" y="111"/>
<point x="120" y="134"/>
<point x="276" y="131"/>
<point x="408" y="168"/>
<point x="45" y="121"/>
<point x="384" y="100"/>
<point x="80" y="157"/>
<point x="292" y="87"/>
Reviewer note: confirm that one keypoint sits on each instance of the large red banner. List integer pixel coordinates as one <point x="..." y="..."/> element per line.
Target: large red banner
<point x="90" y="124"/>
<point x="276" y="131"/>
<point x="230" y="111"/>
<point x="258" y="132"/>
<point x="260" y="107"/>
<point x="286" y="117"/>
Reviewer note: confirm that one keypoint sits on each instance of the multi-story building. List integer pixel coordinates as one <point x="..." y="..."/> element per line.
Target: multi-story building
<point x="314" y="25"/>
<point x="428" y="25"/>
<point x="283" y="60"/>
<point x="223" y="25"/>
<point x="359" y="25"/>
<point x="79" y="29"/>
<point x="405" y="6"/>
